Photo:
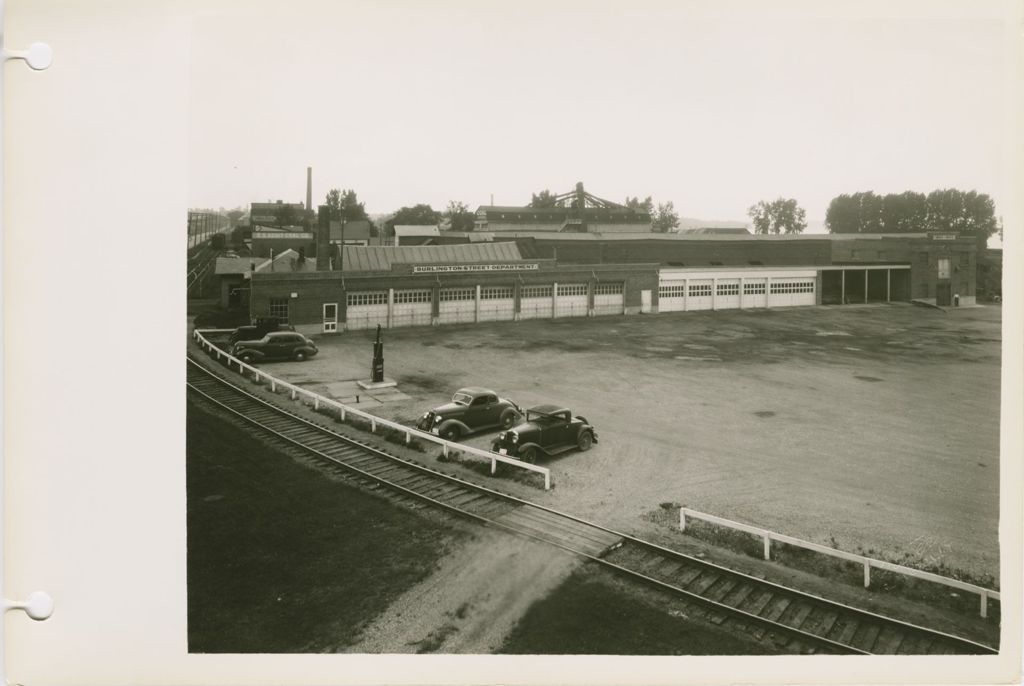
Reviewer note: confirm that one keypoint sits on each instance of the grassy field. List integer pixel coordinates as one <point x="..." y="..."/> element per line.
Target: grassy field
<point x="283" y="559"/>
<point x="589" y="615"/>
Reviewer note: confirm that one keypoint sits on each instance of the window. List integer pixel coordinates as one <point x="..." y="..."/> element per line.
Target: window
<point x="402" y="297"/>
<point x="572" y="289"/>
<point x="698" y="290"/>
<point x="279" y="308"/>
<point x="943" y="267"/>
<point x="753" y="288"/>
<point x="786" y="287"/>
<point x="449" y="294"/>
<point x="608" y="289"/>
<point x="536" y="291"/>
<point x="672" y="291"/>
<point x="371" y="298"/>
<point x="728" y="289"/>
<point x="495" y="292"/>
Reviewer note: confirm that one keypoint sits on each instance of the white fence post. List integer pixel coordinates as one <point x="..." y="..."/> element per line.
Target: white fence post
<point x="342" y="407"/>
<point x="767" y="547"/>
<point x="293" y="394"/>
<point x="682" y="520"/>
<point x="273" y="385"/>
<point x="494" y="465"/>
<point x="373" y="426"/>
<point x="984" y="604"/>
<point x="444" y="449"/>
<point x="867" y="573"/>
<point x="408" y="437"/>
<point x="316" y="402"/>
<point x="547" y="481"/>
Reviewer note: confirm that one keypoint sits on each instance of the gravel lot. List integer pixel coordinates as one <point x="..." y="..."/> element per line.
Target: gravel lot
<point x="876" y="426"/>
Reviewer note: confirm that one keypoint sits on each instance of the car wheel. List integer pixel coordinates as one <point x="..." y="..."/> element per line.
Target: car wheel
<point x="451" y="433"/>
<point x="529" y="455"/>
<point x="247" y="358"/>
<point x="585" y="440"/>
<point x="509" y="420"/>
<point x="299" y="356"/>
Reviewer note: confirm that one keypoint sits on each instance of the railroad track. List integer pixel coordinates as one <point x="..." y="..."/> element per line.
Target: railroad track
<point x="793" y="620"/>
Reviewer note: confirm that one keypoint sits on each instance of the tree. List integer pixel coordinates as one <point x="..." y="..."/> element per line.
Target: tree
<point x="235" y="215"/>
<point x="904" y="212"/>
<point x="345" y="203"/>
<point x="969" y="212"/>
<point x="417" y="214"/>
<point x="843" y="215"/>
<point x="647" y="206"/>
<point x="665" y="217"/>
<point x="459" y="216"/>
<point x="543" y="199"/>
<point x="778" y="216"/>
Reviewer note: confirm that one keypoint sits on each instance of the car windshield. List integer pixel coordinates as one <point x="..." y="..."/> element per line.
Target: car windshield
<point x="462" y="399"/>
<point x="540" y="417"/>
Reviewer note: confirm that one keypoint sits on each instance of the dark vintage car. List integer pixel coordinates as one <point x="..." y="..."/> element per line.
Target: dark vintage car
<point x="471" y="409"/>
<point x="277" y="345"/>
<point x="548" y="430"/>
<point x="260" y="328"/>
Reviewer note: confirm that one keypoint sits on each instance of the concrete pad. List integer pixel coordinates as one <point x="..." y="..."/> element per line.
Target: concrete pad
<point x="368" y="385"/>
<point x="342" y="389"/>
<point x="389" y="396"/>
<point x="365" y="402"/>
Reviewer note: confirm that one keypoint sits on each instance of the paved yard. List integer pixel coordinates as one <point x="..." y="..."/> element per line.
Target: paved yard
<point x="877" y="426"/>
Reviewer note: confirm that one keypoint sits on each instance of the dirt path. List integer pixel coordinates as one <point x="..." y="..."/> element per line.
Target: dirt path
<point x="471" y="603"/>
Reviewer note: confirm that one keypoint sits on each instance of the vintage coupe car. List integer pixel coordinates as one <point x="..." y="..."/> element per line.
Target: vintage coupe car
<point x="471" y="409"/>
<point x="548" y="430"/>
<point x="260" y="328"/>
<point x="277" y="345"/>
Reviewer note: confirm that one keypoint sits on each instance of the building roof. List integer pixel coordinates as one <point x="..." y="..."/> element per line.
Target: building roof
<point x="715" y="230"/>
<point x="287" y="261"/>
<point x="373" y="258"/>
<point x="417" y="230"/>
<point x="237" y="265"/>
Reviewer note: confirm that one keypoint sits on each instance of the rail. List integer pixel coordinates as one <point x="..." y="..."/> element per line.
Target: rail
<point x="345" y="410"/>
<point x="868" y="562"/>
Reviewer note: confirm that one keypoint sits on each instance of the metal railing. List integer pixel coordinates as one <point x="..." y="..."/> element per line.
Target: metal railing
<point x="375" y="421"/>
<point x="868" y="562"/>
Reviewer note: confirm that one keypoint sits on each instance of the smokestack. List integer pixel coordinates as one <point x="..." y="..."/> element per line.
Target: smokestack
<point x="323" y="239"/>
<point x="309" y="189"/>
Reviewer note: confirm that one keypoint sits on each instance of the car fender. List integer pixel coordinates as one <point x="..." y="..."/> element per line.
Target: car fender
<point x="256" y="354"/>
<point x="523" y="447"/>
<point x="445" y="423"/>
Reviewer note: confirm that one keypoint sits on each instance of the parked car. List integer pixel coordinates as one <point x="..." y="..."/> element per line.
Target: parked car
<point x="277" y="345"/>
<point x="260" y="328"/>
<point x="471" y="409"/>
<point x="548" y="430"/>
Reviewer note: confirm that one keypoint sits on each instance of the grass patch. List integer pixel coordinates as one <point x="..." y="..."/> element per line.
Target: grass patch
<point x="281" y="559"/>
<point x="587" y="616"/>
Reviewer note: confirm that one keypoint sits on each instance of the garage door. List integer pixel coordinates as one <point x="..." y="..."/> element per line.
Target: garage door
<point x="572" y="300"/>
<point x="496" y="304"/>
<point x="457" y="305"/>
<point x="535" y="302"/>
<point x="411" y="308"/>
<point x="754" y="292"/>
<point x="727" y="294"/>
<point x="698" y="295"/>
<point x="608" y="298"/>
<point x="367" y="309"/>
<point x="672" y="297"/>
<point x="791" y="291"/>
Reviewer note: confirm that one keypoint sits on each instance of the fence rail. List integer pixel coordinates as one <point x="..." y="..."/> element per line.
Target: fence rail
<point x="868" y="562"/>
<point x="344" y="410"/>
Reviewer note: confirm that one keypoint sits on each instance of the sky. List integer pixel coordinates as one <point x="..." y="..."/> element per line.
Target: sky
<point x="711" y="105"/>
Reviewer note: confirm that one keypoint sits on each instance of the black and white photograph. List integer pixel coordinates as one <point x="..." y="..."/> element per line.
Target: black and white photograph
<point x="654" y="333"/>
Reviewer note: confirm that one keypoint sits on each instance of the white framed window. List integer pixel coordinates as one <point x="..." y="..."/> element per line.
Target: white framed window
<point x="698" y="290"/>
<point x="495" y="292"/>
<point x="369" y="298"/>
<point x="943" y="264"/>
<point x="753" y="288"/>
<point x="536" y="291"/>
<point x="449" y="294"/>
<point x="672" y="291"/>
<point x="786" y="287"/>
<point x="608" y="289"/>
<point x="572" y="289"/>
<point x="418" y="296"/>
<point x="279" y="308"/>
<point x="728" y="289"/>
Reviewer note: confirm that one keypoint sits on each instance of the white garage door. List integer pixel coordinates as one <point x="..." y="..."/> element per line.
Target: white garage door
<point x="535" y="302"/>
<point x="791" y="291"/>
<point x="727" y="294"/>
<point x="698" y="296"/>
<point x="754" y="293"/>
<point x="411" y="308"/>
<point x="608" y="298"/>
<point x="367" y="309"/>
<point x="457" y="305"/>
<point x="496" y="303"/>
<point x="572" y="300"/>
<point x="672" y="297"/>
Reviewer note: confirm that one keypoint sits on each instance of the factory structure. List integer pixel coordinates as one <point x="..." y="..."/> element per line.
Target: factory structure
<point x="585" y="257"/>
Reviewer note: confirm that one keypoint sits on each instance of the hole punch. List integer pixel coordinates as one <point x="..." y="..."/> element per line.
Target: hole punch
<point x="39" y="56"/>
<point x="39" y="605"/>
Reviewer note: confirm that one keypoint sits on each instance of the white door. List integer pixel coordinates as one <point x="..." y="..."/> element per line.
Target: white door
<point x="458" y="305"/>
<point x="571" y="300"/>
<point x="411" y="308"/>
<point x="645" y="301"/>
<point x="367" y="309"/>
<point x="608" y="298"/>
<point x="699" y="294"/>
<point x="496" y="303"/>
<point x="672" y="296"/>
<point x="535" y="302"/>
<point x="330" y="317"/>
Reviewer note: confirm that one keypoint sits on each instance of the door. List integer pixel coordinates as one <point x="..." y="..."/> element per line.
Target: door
<point x="330" y="317"/>
<point x="943" y="295"/>
<point x="645" y="301"/>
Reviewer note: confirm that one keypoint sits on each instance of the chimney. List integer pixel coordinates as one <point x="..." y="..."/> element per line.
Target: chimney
<point x="323" y="239"/>
<point x="309" y="189"/>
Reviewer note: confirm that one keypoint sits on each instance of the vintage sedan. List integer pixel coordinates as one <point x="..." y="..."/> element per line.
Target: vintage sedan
<point x="471" y="409"/>
<point x="277" y="345"/>
<point x="548" y="430"/>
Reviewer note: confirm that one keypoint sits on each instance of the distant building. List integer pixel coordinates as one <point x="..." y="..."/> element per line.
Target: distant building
<point x="269" y="213"/>
<point x="415" y="234"/>
<point x="354" y="232"/>
<point x="575" y="212"/>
